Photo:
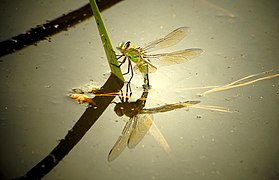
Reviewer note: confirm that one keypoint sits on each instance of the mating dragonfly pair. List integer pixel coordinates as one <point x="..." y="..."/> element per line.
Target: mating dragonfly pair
<point x="141" y="57"/>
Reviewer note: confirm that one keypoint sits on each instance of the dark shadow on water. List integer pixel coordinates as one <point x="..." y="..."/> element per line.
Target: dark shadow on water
<point x="45" y="31"/>
<point x="88" y="118"/>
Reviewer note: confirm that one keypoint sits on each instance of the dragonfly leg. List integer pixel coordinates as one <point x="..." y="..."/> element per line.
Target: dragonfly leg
<point x="119" y="56"/>
<point x="121" y="96"/>
<point x="120" y="62"/>
<point x="130" y="68"/>
<point x="127" y="89"/>
<point x="128" y="85"/>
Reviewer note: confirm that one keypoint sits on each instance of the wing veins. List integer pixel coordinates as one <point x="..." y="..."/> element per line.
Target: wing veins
<point x="176" y="57"/>
<point x="121" y="142"/>
<point x="140" y="128"/>
<point x="169" y="40"/>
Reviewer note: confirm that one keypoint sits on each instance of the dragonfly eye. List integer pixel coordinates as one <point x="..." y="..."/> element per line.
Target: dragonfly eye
<point x="122" y="46"/>
<point x="127" y="44"/>
<point x="118" y="109"/>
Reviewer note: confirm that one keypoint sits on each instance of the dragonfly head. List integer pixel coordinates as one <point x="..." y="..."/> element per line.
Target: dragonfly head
<point x="129" y="109"/>
<point x="123" y="46"/>
<point x="118" y="109"/>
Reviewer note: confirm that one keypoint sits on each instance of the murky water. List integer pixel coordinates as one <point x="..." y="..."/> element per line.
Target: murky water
<point x="240" y="38"/>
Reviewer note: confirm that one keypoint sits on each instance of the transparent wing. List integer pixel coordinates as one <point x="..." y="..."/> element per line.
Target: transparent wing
<point x="169" y="107"/>
<point x="140" y="67"/>
<point x="121" y="142"/>
<point x="169" y="40"/>
<point x="176" y="57"/>
<point x="141" y="126"/>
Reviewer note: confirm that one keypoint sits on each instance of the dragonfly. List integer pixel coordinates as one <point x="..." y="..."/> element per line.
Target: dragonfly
<point x="140" y="121"/>
<point x="142" y="59"/>
<point x="136" y="127"/>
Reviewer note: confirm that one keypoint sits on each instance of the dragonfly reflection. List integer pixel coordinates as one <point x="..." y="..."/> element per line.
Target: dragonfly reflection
<point x="137" y="126"/>
<point x="140" y="118"/>
<point x="140" y="121"/>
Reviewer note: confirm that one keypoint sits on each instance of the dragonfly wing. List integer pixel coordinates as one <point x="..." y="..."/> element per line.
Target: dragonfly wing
<point x="169" y="107"/>
<point x="121" y="142"/>
<point x="176" y="57"/>
<point x="141" y="126"/>
<point x="140" y="67"/>
<point x="169" y="40"/>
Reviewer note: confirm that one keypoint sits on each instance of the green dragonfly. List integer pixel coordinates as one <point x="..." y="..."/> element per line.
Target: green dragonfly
<point x="142" y="59"/>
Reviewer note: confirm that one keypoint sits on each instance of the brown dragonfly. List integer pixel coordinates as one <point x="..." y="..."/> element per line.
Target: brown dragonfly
<point x="140" y="121"/>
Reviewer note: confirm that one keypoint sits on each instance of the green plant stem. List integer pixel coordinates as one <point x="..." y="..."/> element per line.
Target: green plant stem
<point x="112" y="60"/>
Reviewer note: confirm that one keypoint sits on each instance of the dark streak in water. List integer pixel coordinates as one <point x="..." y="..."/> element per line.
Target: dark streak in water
<point x="44" y="31"/>
<point x="86" y="121"/>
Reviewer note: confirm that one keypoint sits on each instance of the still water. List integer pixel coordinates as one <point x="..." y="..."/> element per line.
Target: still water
<point x="190" y="132"/>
